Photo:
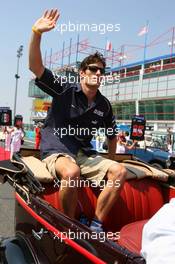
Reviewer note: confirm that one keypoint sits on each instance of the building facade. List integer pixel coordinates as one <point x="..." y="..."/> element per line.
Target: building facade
<point x="144" y="88"/>
<point x="151" y="86"/>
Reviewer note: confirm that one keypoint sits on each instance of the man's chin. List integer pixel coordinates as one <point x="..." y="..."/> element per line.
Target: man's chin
<point x="94" y="84"/>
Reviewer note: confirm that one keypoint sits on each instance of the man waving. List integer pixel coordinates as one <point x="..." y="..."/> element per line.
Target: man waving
<point x="78" y="109"/>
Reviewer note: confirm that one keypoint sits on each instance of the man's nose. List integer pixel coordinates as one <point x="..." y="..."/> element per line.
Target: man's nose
<point x="98" y="72"/>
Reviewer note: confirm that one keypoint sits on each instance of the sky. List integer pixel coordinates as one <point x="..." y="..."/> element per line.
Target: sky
<point x="17" y="18"/>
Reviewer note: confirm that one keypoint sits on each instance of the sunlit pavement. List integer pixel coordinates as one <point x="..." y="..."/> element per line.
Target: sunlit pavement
<point x="7" y="201"/>
<point x="7" y="206"/>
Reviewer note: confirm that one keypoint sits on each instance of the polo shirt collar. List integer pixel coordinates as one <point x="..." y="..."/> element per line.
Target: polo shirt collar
<point x="98" y="95"/>
<point x="78" y="88"/>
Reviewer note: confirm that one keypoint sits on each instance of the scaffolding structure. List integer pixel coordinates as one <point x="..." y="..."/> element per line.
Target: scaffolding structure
<point x="114" y="57"/>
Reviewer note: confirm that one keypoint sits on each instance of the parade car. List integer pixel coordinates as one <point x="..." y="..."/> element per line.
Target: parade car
<point x="43" y="234"/>
<point x="154" y="150"/>
<point x="157" y="157"/>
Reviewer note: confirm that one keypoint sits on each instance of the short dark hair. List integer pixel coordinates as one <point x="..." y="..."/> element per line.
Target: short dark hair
<point x="126" y="133"/>
<point x="93" y="58"/>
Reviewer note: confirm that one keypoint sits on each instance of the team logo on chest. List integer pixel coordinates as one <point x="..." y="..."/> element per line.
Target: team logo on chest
<point x="94" y="122"/>
<point x="98" y="112"/>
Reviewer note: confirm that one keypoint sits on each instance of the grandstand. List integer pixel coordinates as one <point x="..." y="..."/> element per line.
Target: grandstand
<point x="154" y="81"/>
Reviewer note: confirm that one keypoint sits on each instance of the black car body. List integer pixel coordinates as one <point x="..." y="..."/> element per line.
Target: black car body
<point x="41" y="228"/>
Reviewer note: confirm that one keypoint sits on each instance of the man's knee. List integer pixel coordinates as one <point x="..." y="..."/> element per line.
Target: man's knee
<point x="72" y="172"/>
<point x="117" y="172"/>
<point x="69" y="170"/>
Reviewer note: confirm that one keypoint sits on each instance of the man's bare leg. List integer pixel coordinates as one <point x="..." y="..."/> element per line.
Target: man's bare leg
<point x="107" y="198"/>
<point x="69" y="172"/>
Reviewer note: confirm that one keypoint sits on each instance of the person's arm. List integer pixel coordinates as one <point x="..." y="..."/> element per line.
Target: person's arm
<point x="131" y="146"/>
<point x="35" y="60"/>
<point x="4" y="130"/>
<point x="110" y="126"/>
<point x="46" y="23"/>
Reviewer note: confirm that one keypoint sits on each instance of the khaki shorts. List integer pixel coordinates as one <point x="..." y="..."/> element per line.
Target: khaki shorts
<point x="93" y="168"/>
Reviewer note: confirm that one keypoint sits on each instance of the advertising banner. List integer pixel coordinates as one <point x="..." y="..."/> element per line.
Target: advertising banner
<point x="138" y="127"/>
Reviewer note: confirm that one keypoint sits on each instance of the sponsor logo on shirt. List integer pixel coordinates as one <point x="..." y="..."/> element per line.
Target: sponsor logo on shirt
<point x="94" y="122"/>
<point x="98" y="112"/>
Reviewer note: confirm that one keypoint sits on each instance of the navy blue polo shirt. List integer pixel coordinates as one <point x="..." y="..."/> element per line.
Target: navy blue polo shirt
<point x="71" y="123"/>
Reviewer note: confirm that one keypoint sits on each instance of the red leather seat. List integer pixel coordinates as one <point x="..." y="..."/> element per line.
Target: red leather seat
<point x="138" y="200"/>
<point x="131" y="236"/>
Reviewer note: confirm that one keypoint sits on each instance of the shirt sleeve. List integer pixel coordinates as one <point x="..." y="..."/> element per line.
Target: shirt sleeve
<point x="110" y="125"/>
<point x="51" y="83"/>
<point x="158" y="236"/>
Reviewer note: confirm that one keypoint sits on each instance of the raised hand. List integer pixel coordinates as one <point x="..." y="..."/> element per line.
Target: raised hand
<point x="48" y="21"/>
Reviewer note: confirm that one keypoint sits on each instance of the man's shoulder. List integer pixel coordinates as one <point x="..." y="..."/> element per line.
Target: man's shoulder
<point x="47" y="72"/>
<point x="105" y="102"/>
<point x="55" y="83"/>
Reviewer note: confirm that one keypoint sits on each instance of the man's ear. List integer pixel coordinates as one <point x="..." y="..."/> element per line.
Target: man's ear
<point x="81" y="73"/>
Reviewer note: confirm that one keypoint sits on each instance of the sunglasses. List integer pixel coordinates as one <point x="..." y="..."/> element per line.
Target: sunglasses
<point x="95" y="69"/>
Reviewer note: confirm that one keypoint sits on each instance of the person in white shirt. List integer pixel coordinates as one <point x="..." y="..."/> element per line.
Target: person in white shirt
<point x="158" y="237"/>
<point x="127" y="137"/>
<point x="7" y="131"/>
<point x="16" y="136"/>
<point x="122" y="143"/>
<point x="100" y="139"/>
